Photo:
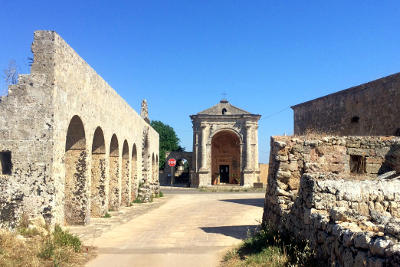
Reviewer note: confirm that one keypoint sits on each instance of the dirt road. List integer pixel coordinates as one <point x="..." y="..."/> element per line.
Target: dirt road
<point x="188" y="230"/>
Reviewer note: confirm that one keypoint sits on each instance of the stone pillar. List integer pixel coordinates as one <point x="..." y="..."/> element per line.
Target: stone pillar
<point x="248" y="147"/>
<point x="195" y="151"/>
<point x="204" y="172"/>
<point x="203" y="148"/>
<point x="241" y="163"/>
<point x="194" y="181"/>
<point x="256" y="148"/>
<point x="248" y="172"/>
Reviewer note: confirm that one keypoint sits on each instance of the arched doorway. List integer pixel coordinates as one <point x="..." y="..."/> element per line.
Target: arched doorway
<point x="98" y="205"/>
<point x="125" y="175"/>
<point x="134" y="173"/>
<point x="114" y="190"/>
<point x="225" y="158"/>
<point x="181" y="171"/>
<point x="76" y="176"/>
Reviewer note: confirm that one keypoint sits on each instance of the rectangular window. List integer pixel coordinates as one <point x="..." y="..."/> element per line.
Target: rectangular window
<point x="357" y="164"/>
<point x="5" y="162"/>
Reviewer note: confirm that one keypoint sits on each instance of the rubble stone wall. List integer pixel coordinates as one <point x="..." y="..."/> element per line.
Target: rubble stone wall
<point x="39" y="125"/>
<point x="350" y="219"/>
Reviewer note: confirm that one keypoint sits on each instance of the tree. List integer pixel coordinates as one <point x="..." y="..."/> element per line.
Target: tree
<point x="169" y="141"/>
<point x="10" y="75"/>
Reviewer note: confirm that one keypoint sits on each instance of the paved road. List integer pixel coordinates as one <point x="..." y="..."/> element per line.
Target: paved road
<point x="188" y="230"/>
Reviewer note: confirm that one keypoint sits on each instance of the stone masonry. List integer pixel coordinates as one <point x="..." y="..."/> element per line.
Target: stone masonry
<point x="70" y="147"/>
<point x="368" y="109"/>
<point x="342" y="194"/>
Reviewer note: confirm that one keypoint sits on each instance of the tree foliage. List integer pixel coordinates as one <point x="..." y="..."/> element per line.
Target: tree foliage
<point x="169" y="141"/>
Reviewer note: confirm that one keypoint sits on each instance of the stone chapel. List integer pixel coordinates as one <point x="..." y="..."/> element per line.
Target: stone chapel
<point x="225" y="146"/>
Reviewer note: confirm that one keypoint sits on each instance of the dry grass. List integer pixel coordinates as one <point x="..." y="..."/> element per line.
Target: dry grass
<point x="269" y="247"/>
<point x="270" y="256"/>
<point x="35" y="249"/>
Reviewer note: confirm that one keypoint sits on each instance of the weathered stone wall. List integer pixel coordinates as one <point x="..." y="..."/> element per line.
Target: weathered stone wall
<point x="350" y="219"/>
<point x="52" y="112"/>
<point x="367" y="109"/>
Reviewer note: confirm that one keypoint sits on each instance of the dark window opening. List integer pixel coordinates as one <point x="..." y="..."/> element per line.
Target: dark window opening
<point x="355" y="119"/>
<point x="397" y="133"/>
<point x="357" y="164"/>
<point x="223" y="111"/>
<point x="5" y="162"/>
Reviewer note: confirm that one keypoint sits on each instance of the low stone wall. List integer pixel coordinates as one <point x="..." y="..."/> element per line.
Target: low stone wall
<point x="350" y="219"/>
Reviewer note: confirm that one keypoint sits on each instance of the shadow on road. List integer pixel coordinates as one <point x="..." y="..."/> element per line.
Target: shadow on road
<point x="237" y="231"/>
<point x="258" y="202"/>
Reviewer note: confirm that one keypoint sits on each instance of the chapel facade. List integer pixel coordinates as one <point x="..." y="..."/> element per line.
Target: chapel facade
<point x="225" y="146"/>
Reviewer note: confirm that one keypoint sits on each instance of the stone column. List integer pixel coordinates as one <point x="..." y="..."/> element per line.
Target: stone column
<point x="256" y="148"/>
<point x="241" y="163"/>
<point x="195" y="153"/>
<point x="248" y="147"/>
<point x="195" y="159"/>
<point x="203" y="147"/>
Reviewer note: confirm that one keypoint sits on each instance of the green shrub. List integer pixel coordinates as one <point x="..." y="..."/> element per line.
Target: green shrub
<point x="137" y="200"/>
<point x="161" y="194"/>
<point x="58" y="240"/>
<point x="47" y="251"/>
<point x="107" y="215"/>
<point x="64" y="238"/>
<point x="28" y="232"/>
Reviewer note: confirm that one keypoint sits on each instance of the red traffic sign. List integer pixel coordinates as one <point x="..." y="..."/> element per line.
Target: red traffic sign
<point x="172" y="162"/>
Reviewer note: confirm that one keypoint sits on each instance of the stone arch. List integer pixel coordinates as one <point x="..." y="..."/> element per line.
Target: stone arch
<point x="166" y="176"/>
<point x="182" y="170"/>
<point x="233" y="131"/>
<point x="134" y="172"/>
<point x="125" y="175"/>
<point x="114" y="187"/>
<point x="76" y="208"/>
<point x="98" y="195"/>
<point x="225" y="157"/>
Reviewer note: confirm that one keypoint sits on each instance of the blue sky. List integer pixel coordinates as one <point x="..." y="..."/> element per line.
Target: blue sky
<point x="182" y="55"/>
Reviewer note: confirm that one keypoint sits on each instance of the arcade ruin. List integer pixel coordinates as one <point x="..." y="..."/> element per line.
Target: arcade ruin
<point x="70" y="147"/>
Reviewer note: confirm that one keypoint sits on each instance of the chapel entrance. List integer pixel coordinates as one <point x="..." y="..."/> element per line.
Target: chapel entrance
<point x="225" y="158"/>
<point x="224" y="173"/>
